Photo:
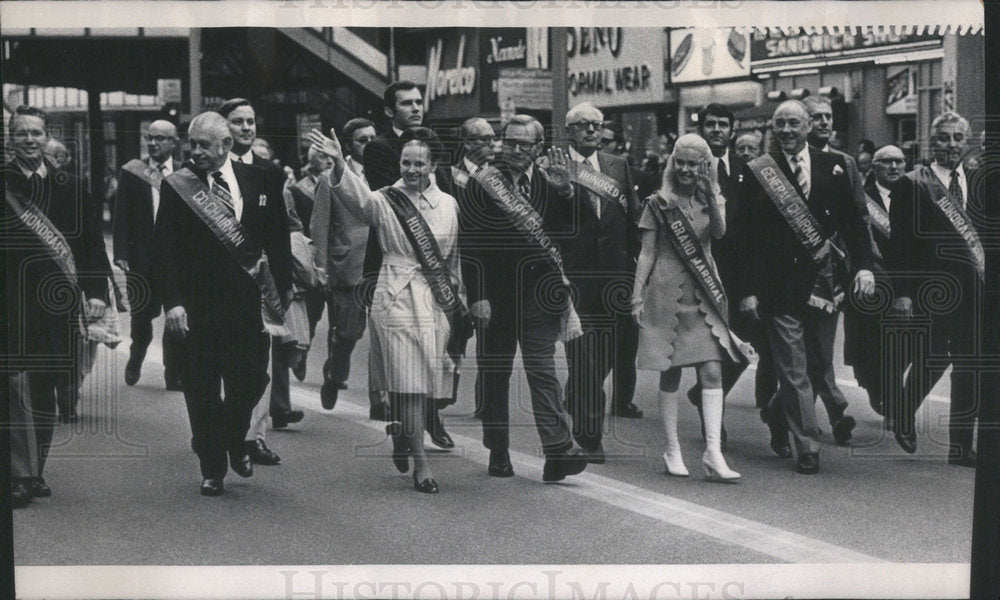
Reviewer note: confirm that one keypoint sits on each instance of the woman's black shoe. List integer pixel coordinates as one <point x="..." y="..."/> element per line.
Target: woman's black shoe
<point x="427" y="486"/>
<point x="400" y="451"/>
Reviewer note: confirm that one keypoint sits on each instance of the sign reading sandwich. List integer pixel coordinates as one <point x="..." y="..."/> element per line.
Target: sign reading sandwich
<point x="615" y="65"/>
<point x="710" y="53"/>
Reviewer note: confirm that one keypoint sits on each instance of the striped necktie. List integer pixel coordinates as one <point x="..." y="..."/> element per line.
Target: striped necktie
<point x="955" y="190"/>
<point x="221" y="189"/>
<point x="800" y="175"/>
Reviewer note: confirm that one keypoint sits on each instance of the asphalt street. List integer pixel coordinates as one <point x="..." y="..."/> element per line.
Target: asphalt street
<point x="125" y="486"/>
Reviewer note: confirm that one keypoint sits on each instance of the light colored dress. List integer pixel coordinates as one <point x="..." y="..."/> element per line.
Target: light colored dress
<point x="409" y="331"/>
<point x="680" y="326"/>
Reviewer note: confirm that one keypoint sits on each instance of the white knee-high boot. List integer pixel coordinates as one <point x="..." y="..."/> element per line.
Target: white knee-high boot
<point x="672" y="457"/>
<point x="713" y="461"/>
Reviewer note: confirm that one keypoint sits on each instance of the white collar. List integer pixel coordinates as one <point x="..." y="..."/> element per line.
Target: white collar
<point x="247" y="158"/>
<point x="884" y="191"/>
<point x="803" y="157"/>
<point x="42" y="170"/>
<point x="725" y="159"/>
<point x="168" y="165"/>
<point x="430" y="193"/>
<point x="470" y="166"/>
<point x="227" y="170"/>
<point x="397" y="131"/>
<point x="577" y="157"/>
<point x="944" y="173"/>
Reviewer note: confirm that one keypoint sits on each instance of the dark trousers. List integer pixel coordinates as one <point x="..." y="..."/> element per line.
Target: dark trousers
<point x="950" y="341"/>
<point x="536" y="331"/>
<point x="802" y="347"/>
<point x="625" y="351"/>
<point x="347" y="317"/>
<point x="32" y="397"/>
<point x="142" y="336"/>
<point x="315" y="302"/>
<point x="589" y="358"/>
<point x="281" y="401"/>
<point x="227" y="356"/>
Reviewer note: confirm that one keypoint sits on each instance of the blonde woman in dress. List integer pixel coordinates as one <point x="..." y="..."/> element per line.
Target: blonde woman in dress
<point x="409" y="329"/>
<point x="680" y="326"/>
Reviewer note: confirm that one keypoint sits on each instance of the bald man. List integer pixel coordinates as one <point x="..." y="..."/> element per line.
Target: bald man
<point x="797" y="199"/>
<point x="224" y="304"/>
<point x="862" y="326"/>
<point x="137" y="204"/>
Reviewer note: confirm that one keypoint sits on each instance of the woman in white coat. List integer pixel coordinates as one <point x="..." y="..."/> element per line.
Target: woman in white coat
<point x="410" y="331"/>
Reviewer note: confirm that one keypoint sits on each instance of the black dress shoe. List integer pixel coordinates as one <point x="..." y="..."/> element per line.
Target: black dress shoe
<point x="281" y="420"/>
<point x="39" y="489"/>
<point x="427" y="486"/>
<point x="500" y="464"/>
<point x="559" y="466"/>
<point x="341" y="385"/>
<point x="240" y="462"/>
<point x="808" y="463"/>
<point x="779" y="435"/>
<point x="627" y="411"/>
<point x="966" y="458"/>
<point x="379" y="412"/>
<point x="173" y="384"/>
<point x="260" y="454"/>
<point x="69" y="416"/>
<point x="595" y="456"/>
<point x="19" y="495"/>
<point x="907" y="441"/>
<point x="434" y="426"/>
<point x="133" y="368"/>
<point x="842" y="430"/>
<point x="328" y="394"/>
<point x="211" y="487"/>
<point x="299" y="370"/>
<point x="400" y="449"/>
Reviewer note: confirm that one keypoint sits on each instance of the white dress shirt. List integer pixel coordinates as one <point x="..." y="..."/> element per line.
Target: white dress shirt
<point x="593" y="162"/>
<point x="885" y="193"/>
<point x="234" y="187"/>
<point x="724" y="159"/>
<point x="168" y="169"/>
<point x="944" y="175"/>
<point x="243" y="158"/>
<point x="42" y="170"/>
<point x="470" y="166"/>
<point x="804" y="163"/>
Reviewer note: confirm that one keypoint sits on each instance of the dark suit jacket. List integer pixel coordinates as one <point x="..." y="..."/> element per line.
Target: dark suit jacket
<point x="133" y="227"/>
<point x="498" y="264"/>
<point x="599" y="253"/>
<point x="881" y="242"/>
<point x="728" y="250"/>
<point x="198" y="273"/>
<point x="39" y="321"/>
<point x="781" y="274"/>
<point x="921" y="234"/>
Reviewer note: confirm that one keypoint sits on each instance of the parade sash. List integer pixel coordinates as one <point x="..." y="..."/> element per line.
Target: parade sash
<point x="460" y="177"/>
<point x="143" y="171"/>
<point x="220" y="220"/>
<point x="791" y="206"/>
<point x="880" y="218"/>
<point x="528" y="222"/>
<point x="956" y="215"/>
<point x="598" y="183"/>
<point x="428" y="253"/>
<point x="685" y="241"/>
<point x="51" y="238"/>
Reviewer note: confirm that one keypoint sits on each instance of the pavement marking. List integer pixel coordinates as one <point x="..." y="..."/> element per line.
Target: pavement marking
<point x="728" y="528"/>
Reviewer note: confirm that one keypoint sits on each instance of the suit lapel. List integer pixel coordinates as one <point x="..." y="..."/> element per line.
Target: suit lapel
<point x="248" y="191"/>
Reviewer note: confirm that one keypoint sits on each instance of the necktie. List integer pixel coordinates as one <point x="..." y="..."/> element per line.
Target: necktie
<point x="955" y="190"/>
<point x="221" y="189"/>
<point x="35" y="181"/>
<point x="800" y="176"/>
<point x="723" y="171"/>
<point x="524" y="187"/>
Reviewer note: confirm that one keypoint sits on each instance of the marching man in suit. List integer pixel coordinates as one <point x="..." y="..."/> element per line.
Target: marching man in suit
<point x="52" y="242"/>
<point x="801" y="209"/>
<point x="137" y="205"/>
<point x="863" y="342"/>
<point x="224" y="257"/>
<point x="600" y="252"/>
<point x="935" y="215"/>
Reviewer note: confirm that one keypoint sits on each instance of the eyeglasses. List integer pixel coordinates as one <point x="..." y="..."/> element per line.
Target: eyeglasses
<point x="483" y="139"/>
<point x="518" y="144"/>
<point x="584" y="125"/>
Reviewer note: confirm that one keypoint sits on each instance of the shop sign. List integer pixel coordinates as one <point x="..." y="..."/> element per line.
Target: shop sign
<point x="709" y="53"/>
<point x="615" y="66"/>
<point x="457" y="81"/>
<point x="304" y="123"/>
<point x="168" y="90"/>
<point x="525" y="88"/>
<point x="506" y="48"/>
<point x="901" y="93"/>
<point x="777" y="44"/>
